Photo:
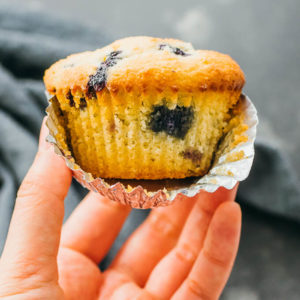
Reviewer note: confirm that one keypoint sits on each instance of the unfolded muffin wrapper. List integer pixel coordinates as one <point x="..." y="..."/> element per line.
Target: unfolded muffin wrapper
<point x="230" y="166"/>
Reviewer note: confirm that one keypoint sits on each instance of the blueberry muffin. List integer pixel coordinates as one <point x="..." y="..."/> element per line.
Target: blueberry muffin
<point x="143" y="107"/>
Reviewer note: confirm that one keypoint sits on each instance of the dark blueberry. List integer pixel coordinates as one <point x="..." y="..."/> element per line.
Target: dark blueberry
<point x="170" y="126"/>
<point x="110" y="62"/>
<point x="162" y="46"/>
<point x="174" y="50"/>
<point x="193" y="154"/>
<point x="82" y="104"/>
<point x="112" y="58"/>
<point x="175" y="122"/>
<point x="178" y="51"/>
<point x="71" y="99"/>
<point x="115" y="53"/>
<point x="97" y="81"/>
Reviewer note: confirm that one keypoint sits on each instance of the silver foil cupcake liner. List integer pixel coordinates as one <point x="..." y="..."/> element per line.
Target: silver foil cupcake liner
<point x="230" y="166"/>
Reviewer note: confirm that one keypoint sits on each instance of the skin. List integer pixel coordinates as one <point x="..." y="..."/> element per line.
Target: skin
<point x="184" y="251"/>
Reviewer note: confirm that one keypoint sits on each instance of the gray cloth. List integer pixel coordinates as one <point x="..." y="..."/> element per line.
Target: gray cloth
<point x="30" y="43"/>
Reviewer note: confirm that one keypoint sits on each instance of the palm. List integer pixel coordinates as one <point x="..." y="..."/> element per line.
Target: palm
<point x="184" y="251"/>
<point x="80" y="278"/>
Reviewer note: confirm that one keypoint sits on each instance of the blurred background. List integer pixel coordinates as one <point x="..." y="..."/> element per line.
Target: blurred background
<point x="262" y="36"/>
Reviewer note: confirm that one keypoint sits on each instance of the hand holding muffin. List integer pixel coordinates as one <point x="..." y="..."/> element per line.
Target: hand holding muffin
<point x="174" y="254"/>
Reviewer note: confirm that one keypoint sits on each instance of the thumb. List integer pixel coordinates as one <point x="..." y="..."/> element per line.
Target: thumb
<point x="33" y="238"/>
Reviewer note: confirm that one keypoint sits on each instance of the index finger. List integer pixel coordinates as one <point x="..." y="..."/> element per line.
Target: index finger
<point x="34" y="232"/>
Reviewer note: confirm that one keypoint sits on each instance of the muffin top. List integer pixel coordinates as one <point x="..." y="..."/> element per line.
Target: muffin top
<point x="145" y="63"/>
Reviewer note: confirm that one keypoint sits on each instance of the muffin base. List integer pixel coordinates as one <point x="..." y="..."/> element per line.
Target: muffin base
<point x="232" y="163"/>
<point x="112" y="140"/>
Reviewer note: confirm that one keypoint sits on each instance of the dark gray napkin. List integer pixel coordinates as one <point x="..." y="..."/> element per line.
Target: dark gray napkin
<point x="29" y="43"/>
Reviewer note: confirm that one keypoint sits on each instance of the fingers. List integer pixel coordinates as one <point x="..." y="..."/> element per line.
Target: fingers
<point x="34" y="233"/>
<point x="79" y="277"/>
<point x="93" y="226"/>
<point x="214" y="263"/>
<point x="130" y="291"/>
<point x="171" y="271"/>
<point x="152" y="240"/>
<point x="112" y="279"/>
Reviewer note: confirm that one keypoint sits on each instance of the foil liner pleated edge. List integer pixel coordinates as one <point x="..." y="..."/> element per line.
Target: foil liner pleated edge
<point x="224" y="172"/>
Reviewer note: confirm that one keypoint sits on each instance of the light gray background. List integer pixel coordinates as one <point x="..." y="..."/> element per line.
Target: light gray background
<point x="264" y="38"/>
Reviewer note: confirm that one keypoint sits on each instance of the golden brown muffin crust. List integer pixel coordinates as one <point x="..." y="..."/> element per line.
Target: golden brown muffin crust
<point x="148" y="63"/>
